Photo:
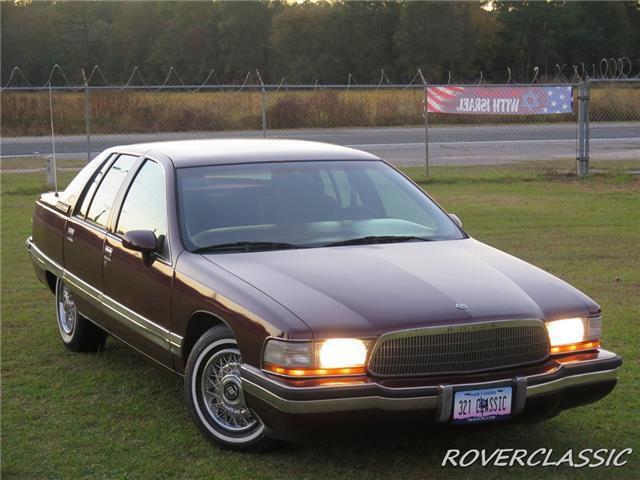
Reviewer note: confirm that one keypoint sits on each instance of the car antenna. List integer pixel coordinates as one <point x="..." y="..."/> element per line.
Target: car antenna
<point x="52" y="174"/>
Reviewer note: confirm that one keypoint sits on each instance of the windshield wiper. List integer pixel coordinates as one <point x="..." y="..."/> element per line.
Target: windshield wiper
<point x="377" y="239"/>
<point x="246" y="247"/>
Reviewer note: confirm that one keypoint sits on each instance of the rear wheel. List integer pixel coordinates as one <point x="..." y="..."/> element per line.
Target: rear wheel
<point x="214" y="394"/>
<point x="76" y="332"/>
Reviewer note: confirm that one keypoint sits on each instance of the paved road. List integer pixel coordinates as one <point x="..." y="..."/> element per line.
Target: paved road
<point x="402" y="146"/>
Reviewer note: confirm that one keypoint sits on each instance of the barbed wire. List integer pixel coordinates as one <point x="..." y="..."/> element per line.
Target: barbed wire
<point x="97" y="69"/>
<point x="611" y="68"/>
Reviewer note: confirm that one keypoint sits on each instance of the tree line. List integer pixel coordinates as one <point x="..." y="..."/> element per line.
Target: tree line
<point x="316" y="41"/>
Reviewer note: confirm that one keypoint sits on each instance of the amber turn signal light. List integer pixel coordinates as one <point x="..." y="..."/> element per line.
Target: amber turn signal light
<point x="313" y="372"/>
<point x="576" y="347"/>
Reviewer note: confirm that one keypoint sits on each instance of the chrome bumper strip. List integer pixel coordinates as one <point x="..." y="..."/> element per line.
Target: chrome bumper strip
<point x="92" y="294"/>
<point x="441" y="402"/>
<point x="339" y="404"/>
<point x="42" y="259"/>
<point x="571" y="381"/>
<point x="143" y="326"/>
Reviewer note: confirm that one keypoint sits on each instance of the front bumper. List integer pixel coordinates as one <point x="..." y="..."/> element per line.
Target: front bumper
<point x="572" y="380"/>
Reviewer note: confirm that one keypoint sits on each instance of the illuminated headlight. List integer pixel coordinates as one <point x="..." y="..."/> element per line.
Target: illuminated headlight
<point x="574" y="334"/>
<point x="342" y="353"/>
<point x="332" y="357"/>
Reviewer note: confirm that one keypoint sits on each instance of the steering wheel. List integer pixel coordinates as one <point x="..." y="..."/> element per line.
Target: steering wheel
<point x="357" y="213"/>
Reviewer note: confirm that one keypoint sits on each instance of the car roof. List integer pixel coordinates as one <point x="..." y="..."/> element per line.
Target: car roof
<point x="189" y="153"/>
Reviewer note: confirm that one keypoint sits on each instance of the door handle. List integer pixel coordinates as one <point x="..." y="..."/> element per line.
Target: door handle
<point x="70" y="233"/>
<point x="107" y="253"/>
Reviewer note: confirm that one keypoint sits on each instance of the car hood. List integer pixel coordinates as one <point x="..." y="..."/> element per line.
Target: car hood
<point x="371" y="289"/>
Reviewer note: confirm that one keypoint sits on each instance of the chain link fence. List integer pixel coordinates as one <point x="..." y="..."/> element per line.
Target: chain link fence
<point x="614" y="119"/>
<point x="387" y="120"/>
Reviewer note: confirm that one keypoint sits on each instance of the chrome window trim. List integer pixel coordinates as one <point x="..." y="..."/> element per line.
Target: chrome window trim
<point x="145" y="157"/>
<point x="55" y="210"/>
<point x="85" y="223"/>
<point x="107" y="164"/>
<point x="112" y="234"/>
<point x="142" y="325"/>
<point x="115" y="198"/>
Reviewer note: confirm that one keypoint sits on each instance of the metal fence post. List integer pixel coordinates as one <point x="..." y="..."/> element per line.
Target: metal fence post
<point x="426" y="122"/>
<point x="87" y="115"/>
<point x="426" y="131"/>
<point x="52" y="171"/>
<point x="263" y="100"/>
<point x="582" y="154"/>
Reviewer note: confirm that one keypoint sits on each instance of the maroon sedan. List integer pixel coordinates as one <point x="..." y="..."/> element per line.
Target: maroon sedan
<point x="292" y="281"/>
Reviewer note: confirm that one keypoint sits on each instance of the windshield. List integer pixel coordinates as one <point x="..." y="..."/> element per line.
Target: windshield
<point x="304" y="204"/>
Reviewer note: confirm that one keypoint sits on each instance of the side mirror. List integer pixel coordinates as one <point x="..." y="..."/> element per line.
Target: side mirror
<point x="456" y="219"/>
<point x="144" y="241"/>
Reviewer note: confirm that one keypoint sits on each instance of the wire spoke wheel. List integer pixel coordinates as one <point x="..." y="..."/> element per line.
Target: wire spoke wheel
<point x="77" y="333"/>
<point x="213" y="386"/>
<point x="221" y="390"/>
<point x="67" y="310"/>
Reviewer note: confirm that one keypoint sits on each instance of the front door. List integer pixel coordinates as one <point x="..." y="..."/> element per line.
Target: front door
<point x="137" y="287"/>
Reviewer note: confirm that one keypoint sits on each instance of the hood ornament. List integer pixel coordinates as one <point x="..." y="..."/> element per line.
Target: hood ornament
<point x="462" y="306"/>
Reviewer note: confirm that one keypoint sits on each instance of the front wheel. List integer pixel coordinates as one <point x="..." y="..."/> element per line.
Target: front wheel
<point x="77" y="333"/>
<point x="214" y="394"/>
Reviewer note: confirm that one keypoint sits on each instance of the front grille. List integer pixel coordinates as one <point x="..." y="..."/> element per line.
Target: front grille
<point x="460" y="349"/>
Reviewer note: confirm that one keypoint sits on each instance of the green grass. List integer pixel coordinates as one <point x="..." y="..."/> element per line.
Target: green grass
<point x="117" y="415"/>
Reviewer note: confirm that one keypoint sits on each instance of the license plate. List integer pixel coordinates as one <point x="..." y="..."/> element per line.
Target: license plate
<point x="482" y="405"/>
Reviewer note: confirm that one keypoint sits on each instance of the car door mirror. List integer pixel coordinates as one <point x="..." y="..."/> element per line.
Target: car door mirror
<point x="144" y="241"/>
<point x="456" y="219"/>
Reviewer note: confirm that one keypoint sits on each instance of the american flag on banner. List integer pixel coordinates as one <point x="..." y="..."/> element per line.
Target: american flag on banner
<point x="499" y="100"/>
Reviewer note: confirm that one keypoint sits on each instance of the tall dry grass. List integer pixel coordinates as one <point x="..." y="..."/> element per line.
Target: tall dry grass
<point x="27" y="113"/>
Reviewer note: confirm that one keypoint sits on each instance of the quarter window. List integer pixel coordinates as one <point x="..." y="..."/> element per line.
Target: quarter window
<point x="105" y="195"/>
<point x="144" y="207"/>
<point x="91" y="189"/>
<point x="80" y="181"/>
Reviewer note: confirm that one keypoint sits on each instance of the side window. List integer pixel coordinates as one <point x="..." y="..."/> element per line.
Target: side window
<point x="77" y="185"/>
<point x="145" y="206"/>
<point x="91" y="190"/>
<point x="105" y="195"/>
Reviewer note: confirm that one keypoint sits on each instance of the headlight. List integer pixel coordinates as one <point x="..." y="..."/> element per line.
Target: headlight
<point x="335" y="356"/>
<point x="342" y="353"/>
<point x="574" y="334"/>
<point x="289" y="354"/>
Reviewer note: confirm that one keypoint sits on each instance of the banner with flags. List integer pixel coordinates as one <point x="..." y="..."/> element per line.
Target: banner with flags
<point x="499" y="100"/>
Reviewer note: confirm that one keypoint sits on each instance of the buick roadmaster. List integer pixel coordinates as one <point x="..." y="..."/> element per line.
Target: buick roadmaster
<point x="291" y="280"/>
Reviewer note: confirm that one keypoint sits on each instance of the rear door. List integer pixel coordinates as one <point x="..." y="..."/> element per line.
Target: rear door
<point x="137" y="287"/>
<point x="85" y="234"/>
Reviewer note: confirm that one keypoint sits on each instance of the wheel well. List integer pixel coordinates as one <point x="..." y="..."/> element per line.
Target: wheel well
<point x="51" y="281"/>
<point x="199" y="323"/>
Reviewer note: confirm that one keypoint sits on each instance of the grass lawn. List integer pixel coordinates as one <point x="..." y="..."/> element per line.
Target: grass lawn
<point x="117" y="415"/>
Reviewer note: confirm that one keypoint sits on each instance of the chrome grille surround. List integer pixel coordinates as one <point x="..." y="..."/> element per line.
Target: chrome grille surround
<point x="459" y="349"/>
